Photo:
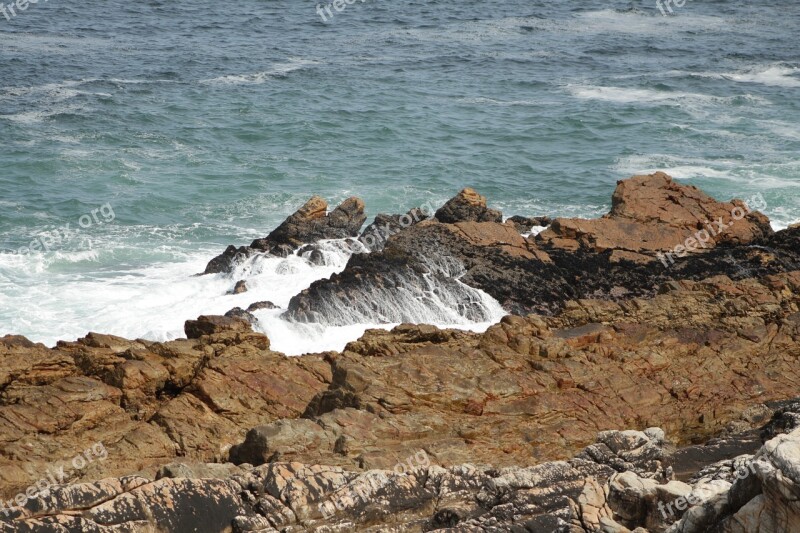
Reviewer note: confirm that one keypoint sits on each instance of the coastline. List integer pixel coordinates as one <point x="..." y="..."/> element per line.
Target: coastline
<point x="575" y="410"/>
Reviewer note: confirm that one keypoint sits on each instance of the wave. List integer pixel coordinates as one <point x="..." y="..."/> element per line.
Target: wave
<point x="277" y="71"/>
<point x="777" y="75"/>
<point x="503" y="103"/>
<point x="152" y="302"/>
<point x="33" y="117"/>
<point x="625" y="95"/>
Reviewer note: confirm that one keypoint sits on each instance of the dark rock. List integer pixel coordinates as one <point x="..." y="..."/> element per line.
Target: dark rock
<point x="525" y="224"/>
<point x="307" y="225"/>
<point x="375" y="235"/>
<point x="238" y="312"/>
<point x="261" y="305"/>
<point x="239" y="288"/>
<point x="226" y="260"/>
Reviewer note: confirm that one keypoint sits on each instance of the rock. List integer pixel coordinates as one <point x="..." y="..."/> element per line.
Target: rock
<point x="424" y="385"/>
<point x="655" y="214"/>
<point x="238" y="312"/>
<point x="307" y="225"/>
<point x="374" y="236"/>
<point x="311" y="223"/>
<point x="195" y="470"/>
<point x="227" y="260"/>
<point x="257" y="306"/>
<point x="540" y="275"/>
<point x="525" y="224"/>
<point x="211" y="324"/>
<point x="239" y="288"/>
<point x="467" y="206"/>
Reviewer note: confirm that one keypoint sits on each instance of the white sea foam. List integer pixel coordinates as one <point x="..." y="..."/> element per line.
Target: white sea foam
<point x="32" y="117"/>
<point x="502" y="103"/>
<point x="278" y="70"/>
<point x="40" y="298"/>
<point x="628" y="95"/>
<point x="778" y="75"/>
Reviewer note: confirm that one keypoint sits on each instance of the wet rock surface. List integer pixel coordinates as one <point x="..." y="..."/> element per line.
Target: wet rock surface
<point x="650" y="215"/>
<point x="309" y="224"/>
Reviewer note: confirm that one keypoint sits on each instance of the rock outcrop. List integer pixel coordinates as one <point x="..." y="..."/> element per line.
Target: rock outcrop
<point x="467" y="206"/>
<point x="650" y="215"/>
<point x="655" y="214"/>
<point x="623" y="482"/>
<point x="309" y="224"/>
<point x="421" y="428"/>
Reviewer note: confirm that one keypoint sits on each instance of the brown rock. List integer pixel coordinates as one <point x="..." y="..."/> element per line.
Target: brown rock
<point x="211" y="324"/>
<point x="653" y="213"/>
<point x="467" y="206"/>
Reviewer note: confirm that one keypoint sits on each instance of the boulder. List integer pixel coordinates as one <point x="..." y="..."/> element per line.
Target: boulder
<point x="467" y="206"/>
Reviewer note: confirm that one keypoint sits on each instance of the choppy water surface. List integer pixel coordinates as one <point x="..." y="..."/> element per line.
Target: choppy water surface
<point x="205" y="123"/>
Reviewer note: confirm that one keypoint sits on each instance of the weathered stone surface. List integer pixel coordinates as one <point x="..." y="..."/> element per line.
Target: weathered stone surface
<point x="145" y="402"/>
<point x="540" y="274"/>
<point x="414" y="495"/>
<point x="690" y="360"/>
<point x="653" y="213"/>
<point x="208" y="325"/>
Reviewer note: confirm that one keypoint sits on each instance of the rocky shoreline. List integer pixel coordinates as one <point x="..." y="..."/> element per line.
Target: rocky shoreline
<point x="640" y="382"/>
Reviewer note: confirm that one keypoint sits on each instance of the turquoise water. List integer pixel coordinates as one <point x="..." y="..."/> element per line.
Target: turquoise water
<point x="203" y="124"/>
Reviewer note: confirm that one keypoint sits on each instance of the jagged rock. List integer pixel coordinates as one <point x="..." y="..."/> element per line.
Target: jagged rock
<point x="414" y="494"/>
<point x="307" y="225"/>
<point x="596" y="365"/>
<point x="653" y="213"/>
<point x="467" y="206"/>
<point x="536" y="275"/>
<point x="525" y="224"/>
<point x="211" y="324"/>
<point x="375" y="235"/>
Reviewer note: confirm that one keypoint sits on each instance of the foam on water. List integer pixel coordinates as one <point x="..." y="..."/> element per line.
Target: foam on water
<point x="777" y="75"/>
<point x="277" y="71"/>
<point x="154" y="302"/>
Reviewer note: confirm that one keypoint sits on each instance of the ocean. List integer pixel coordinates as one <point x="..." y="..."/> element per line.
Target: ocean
<point x="139" y="139"/>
